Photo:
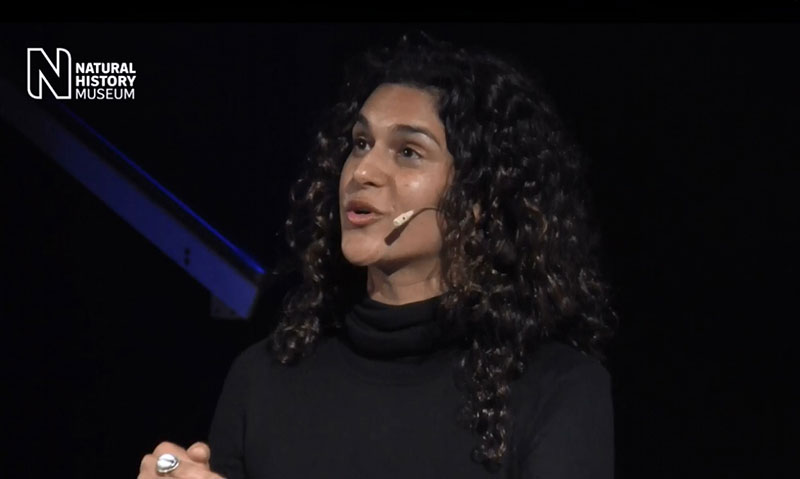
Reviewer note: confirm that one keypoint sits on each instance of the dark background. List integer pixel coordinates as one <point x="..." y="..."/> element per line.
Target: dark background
<point x="691" y="129"/>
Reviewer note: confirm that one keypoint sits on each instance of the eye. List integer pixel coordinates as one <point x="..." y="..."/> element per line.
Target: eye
<point x="359" y="143"/>
<point x="410" y="153"/>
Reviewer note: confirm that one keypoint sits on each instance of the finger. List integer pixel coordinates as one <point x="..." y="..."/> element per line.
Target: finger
<point x="199" y="452"/>
<point x="187" y="469"/>
<point x="148" y="463"/>
<point x="166" y="447"/>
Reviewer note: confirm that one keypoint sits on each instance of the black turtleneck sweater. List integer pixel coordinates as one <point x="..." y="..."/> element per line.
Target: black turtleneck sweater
<point x="380" y="401"/>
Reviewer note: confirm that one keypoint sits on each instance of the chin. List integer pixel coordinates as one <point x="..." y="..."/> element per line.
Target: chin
<point x="358" y="255"/>
<point x="359" y="260"/>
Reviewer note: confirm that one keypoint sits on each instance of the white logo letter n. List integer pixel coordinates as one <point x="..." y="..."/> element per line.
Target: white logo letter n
<point x="58" y="73"/>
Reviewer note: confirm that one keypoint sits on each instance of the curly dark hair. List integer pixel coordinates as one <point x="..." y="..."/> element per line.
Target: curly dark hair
<point x="518" y="269"/>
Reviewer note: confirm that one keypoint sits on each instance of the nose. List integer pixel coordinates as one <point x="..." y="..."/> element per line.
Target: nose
<point x="371" y="168"/>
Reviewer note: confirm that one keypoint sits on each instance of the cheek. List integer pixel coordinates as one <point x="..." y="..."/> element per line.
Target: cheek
<point x="421" y="191"/>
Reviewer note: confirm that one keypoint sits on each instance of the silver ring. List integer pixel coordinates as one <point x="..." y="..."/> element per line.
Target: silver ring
<point x="166" y="463"/>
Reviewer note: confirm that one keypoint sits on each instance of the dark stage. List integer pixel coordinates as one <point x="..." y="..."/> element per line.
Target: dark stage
<point x="691" y="132"/>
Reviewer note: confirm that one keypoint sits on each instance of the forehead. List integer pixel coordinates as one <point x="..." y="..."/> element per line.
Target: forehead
<point x="391" y="104"/>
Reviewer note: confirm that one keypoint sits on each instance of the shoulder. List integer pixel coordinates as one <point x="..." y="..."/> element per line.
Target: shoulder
<point x="561" y="376"/>
<point x="564" y="424"/>
<point x="253" y="360"/>
<point x="555" y="361"/>
<point x="255" y="356"/>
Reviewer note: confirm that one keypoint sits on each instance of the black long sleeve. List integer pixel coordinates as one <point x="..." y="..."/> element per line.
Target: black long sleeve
<point x="226" y="436"/>
<point x="573" y="435"/>
<point x="345" y="411"/>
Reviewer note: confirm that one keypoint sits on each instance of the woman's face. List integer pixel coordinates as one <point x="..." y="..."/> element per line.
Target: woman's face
<point x="399" y="162"/>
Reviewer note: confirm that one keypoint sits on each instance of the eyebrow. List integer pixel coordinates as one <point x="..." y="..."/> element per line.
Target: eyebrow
<point x="408" y="129"/>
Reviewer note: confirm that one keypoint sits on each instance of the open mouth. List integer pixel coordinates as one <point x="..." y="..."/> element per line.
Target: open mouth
<point x="360" y="217"/>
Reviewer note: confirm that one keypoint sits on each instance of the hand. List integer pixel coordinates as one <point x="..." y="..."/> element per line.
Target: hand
<point x="193" y="462"/>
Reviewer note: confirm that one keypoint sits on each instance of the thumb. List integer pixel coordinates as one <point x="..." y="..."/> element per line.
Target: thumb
<point x="199" y="452"/>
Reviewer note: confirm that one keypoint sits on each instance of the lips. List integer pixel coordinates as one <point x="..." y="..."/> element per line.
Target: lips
<point x="361" y="206"/>
<point x="357" y="219"/>
<point x="361" y="212"/>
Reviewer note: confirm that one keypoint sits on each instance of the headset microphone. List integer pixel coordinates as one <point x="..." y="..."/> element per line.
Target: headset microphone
<point x="400" y="220"/>
<point x="403" y="218"/>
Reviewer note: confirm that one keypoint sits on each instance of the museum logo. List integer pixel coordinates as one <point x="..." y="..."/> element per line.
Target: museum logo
<point x="68" y="80"/>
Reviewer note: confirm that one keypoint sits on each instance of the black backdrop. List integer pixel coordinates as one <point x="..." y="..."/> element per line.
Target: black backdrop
<point x="691" y="131"/>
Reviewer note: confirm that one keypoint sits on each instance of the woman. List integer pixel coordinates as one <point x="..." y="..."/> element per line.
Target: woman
<point x="451" y="318"/>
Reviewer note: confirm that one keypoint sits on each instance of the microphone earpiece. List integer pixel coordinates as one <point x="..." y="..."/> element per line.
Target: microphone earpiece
<point x="400" y="220"/>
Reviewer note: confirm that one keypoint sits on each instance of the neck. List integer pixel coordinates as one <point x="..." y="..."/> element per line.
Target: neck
<point x="404" y="285"/>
